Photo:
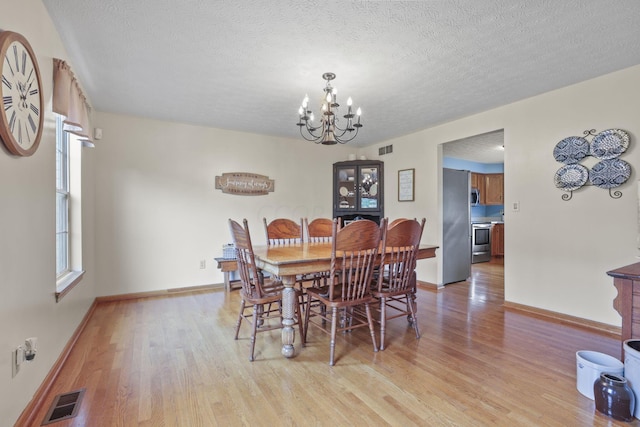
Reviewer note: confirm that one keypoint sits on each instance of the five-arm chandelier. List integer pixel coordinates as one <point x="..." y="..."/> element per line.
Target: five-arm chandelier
<point x="328" y="132"/>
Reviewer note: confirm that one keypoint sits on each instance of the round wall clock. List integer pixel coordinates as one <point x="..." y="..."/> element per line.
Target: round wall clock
<point x="21" y="117"/>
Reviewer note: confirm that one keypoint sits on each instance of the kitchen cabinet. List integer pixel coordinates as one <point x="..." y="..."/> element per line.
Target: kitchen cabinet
<point x="477" y="182"/>
<point x="358" y="190"/>
<point x="493" y="189"/>
<point x="497" y="240"/>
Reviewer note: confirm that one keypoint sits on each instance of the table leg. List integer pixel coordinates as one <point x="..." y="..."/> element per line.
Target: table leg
<point x="289" y="302"/>
<point x="227" y="282"/>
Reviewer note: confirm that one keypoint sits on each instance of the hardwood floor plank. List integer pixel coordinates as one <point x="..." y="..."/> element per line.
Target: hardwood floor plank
<point x="171" y="360"/>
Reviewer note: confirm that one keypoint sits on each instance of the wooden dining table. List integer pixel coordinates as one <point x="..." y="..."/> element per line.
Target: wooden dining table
<point x="289" y="261"/>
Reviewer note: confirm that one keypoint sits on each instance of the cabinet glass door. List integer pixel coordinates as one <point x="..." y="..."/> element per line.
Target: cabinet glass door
<point x="347" y="189"/>
<point x="368" y="180"/>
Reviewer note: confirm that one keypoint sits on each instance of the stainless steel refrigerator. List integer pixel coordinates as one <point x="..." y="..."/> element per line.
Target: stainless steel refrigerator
<point x="456" y="241"/>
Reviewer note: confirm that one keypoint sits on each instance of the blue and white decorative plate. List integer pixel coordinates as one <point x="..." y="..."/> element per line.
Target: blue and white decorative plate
<point x="610" y="173"/>
<point x="609" y="144"/>
<point x="571" y="177"/>
<point x="571" y="150"/>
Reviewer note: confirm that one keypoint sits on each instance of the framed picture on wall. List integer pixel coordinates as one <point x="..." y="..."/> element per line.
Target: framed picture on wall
<point x="406" y="185"/>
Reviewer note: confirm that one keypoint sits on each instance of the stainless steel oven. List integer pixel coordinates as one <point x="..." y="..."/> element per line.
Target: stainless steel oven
<point x="480" y="242"/>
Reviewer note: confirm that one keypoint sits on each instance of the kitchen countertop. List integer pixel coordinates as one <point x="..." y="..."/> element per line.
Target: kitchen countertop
<point x="486" y="221"/>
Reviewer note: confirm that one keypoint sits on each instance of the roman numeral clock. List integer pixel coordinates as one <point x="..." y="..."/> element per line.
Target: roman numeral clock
<point x="22" y="117"/>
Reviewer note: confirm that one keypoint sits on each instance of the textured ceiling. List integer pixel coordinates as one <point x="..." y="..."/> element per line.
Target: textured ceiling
<point x="246" y="64"/>
<point x="485" y="148"/>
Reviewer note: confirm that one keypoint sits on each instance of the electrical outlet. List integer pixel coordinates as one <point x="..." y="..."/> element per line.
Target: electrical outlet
<point x="203" y="264"/>
<point x="17" y="357"/>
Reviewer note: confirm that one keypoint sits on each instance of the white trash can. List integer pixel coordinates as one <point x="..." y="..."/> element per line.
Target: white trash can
<point x="589" y="366"/>
<point x="632" y="369"/>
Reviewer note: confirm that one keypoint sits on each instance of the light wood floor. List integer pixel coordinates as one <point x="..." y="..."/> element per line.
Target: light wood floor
<point x="172" y="361"/>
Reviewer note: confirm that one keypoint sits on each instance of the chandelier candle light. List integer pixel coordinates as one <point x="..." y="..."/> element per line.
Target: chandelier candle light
<point x="328" y="132"/>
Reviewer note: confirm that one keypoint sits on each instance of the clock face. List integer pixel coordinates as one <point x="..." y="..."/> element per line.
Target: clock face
<point x="21" y="118"/>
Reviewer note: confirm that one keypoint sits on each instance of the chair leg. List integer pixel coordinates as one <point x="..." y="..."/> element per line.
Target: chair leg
<point x="240" y="316"/>
<point x="254" y="328"/>
<point x="307" y="314"/>
<point x="334" y="326"/>
<point x="371" y="329"/>
<point x="413" y="308"/>
<point x="301" y="323"/>
<point x="323" y="312"/>
<point x="383" y="320"/>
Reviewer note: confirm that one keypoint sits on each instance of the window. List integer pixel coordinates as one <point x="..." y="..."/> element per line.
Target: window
<point x="68" y="210"/>
<point x="62" y="200"/>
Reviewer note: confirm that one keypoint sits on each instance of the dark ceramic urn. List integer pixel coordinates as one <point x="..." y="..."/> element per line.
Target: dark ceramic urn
<point x="614" y="397"/>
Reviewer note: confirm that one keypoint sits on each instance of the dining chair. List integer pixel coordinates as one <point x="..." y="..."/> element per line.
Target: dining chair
<point x="395" y="288"/>
<point x="319" y="230"/>
<point x="260" y="298"/>
<point x="282" y="231"/>
<point x="354" y="251"/>
<point x="395" y="221"/>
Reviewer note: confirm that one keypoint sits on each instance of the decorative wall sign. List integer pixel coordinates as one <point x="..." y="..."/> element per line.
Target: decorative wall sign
<point x="245" y="184"/>
<point x="609" y="172"/>
<point x="406" y="185"/>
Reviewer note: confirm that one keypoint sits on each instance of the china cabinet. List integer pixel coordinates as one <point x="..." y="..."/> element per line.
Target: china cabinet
<point x="358" y="190"/>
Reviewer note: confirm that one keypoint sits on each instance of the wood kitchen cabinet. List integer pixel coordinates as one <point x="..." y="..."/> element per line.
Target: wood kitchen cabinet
<point x="497" y="240"/>
<point x="493" y="189"/>
<point x="477" y="182"/>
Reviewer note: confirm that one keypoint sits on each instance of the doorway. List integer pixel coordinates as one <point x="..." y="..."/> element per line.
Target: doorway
<point x="483" y="156"/>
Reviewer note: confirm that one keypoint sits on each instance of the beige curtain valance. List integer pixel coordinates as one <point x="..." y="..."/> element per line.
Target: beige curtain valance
<point x="69" y="101"/>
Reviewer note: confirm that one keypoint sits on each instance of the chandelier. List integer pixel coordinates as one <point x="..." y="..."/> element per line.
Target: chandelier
<point x="328" y="132"/>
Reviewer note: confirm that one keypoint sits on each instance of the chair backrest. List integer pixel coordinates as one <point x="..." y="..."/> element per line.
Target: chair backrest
<point x="398" y="261"/>
<point x="282" y="231"/>
<point x="353" y="258"/>
<point x="394" y="222"/>
<point x="319" y="230"/>
<point x="249" y="277"/>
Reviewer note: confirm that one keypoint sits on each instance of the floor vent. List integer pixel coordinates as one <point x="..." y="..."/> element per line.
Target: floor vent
<point x="64" y="406"/>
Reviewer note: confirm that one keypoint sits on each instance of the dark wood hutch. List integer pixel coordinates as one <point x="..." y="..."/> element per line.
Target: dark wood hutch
<point x="358" y="190"/>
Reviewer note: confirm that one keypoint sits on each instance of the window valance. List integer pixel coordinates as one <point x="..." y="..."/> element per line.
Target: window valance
<point x="70" y="101"/>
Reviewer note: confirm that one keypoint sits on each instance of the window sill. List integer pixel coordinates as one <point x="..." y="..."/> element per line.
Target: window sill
<point x="67" y="282"/>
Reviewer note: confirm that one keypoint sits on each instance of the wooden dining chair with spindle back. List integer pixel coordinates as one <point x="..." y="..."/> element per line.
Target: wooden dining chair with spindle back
<point x="282" y="231"/>
<point x="354" y="255"/>
<point x="260" y="298"/>
<point x="285" y="231"/>
<point x="395" y="287"/>
<point x="319" y="230"/>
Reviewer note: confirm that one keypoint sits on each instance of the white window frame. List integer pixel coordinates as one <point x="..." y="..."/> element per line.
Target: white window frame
<point x="69" y="269"/>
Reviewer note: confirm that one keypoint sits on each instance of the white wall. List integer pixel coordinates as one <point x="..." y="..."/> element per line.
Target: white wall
<point x="557" y="252"/>
<point x="158" y="213"/>
<point x="27" y="234"/>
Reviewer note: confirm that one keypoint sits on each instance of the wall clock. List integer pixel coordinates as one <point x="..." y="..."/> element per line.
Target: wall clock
<point x="21" y="117"/>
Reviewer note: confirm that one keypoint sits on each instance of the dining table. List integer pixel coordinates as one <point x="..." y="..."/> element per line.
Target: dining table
<point x="288" y="261"/>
